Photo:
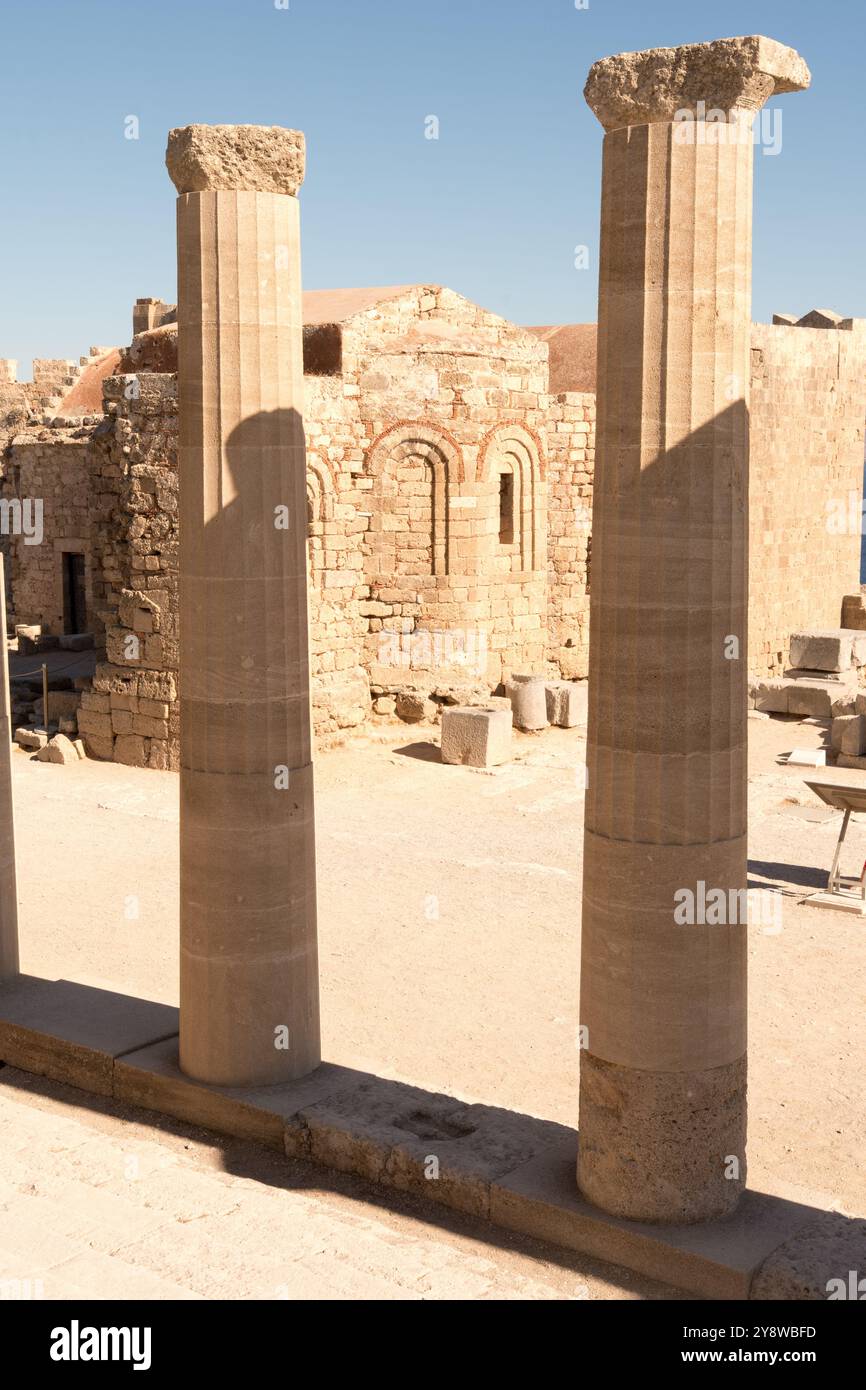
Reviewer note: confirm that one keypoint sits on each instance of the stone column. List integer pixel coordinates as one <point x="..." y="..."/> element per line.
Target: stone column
<point x="249" y="1011"/>
<point x="663" y="1000"/>
<point x="8" y="878"/>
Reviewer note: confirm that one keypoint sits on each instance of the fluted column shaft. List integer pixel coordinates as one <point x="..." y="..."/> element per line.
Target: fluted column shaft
<point x="664" y="1004"/>
<point x="249" y="979"/>
<point x="663" y="958"/>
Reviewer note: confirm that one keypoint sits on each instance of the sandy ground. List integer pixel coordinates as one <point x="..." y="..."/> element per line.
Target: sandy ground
<point x="449" y="929"/>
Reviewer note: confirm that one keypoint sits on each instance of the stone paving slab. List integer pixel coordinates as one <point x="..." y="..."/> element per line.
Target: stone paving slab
<point x="152" y="1079"/>
<point x="430" y="1144"/>
<point x="716" y="1259"/>
<point x="73" y="1032"/>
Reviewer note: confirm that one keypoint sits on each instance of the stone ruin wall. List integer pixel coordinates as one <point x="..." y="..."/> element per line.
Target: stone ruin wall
<point x="413" y="594"/>
<point x="808" y="404"/>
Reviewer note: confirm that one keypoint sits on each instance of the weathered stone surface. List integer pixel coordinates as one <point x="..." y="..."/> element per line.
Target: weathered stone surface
<point x="655" y="1146"/>
<point x="476" y="737"/>
<point x="31" y="738"/>
<point x="854" y="611"/>
<point x="821" y="650"/>
<point x="817" y="1263"/>
<point x="236" y="158"/>
<point x="62" y="704"/>
<point x="770" y="696"/>
<point x="848" y="734"/>
<point x="413" y="707"/>
<point x="811" y="699"/>
<point x="528" y="698"/>
<point x="58" y="750"/>
<point x="653" y="85"/>
<point x="421" y="1142"/>
<point x="566" y="703"/>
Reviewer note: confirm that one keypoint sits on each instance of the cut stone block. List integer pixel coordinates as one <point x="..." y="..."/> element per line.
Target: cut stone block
<point x="848" y="734"/>
<point x="854" y="612"/>
<point x="770" y="696"/>
<point x="72" y="1032"/>
<point x="811" y="698"/>
<point x="476" y="737"/>
<point x="32" y="739"/>
<point x="807" y="757"/>
<point x="76" y="642"/>
<point x="829" y="650"/>
<point x="566" y="703"/>
<point x="58" y="750"/>
<point x="528" y="696"/>
<point x="825" y="1260"/>
<point x="413" y="707"/>
<point x="433" y="1145"/>
<point x="264" y="159"/>
<point x="152" y="1079"/>
<point x="851" y="760"/>
<point x="715" y="1259"/>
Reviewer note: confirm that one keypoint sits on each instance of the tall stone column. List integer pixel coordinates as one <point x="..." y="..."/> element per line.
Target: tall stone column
<point x="249" y="1010"/>
<point x="663" y="973"/>
<point x="8" y="877"/>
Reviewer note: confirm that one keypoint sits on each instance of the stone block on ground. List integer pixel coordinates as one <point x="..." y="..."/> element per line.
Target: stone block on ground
<point x="812" y="699"/>
<point x="807" y="757"/>
<point x="848" y="734"/>
<point x="32" y="739"/>
<point x="829" y="649"/>
<point x="771" y="696"/>
<point x="476" y="737"/>
<point x="566" y="703"/>
<point x="59" y="749"/>
<point x="412" y="707"/>
<point x="528" y="696"/>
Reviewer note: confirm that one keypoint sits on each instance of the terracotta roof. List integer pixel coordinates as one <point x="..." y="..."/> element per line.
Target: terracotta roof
<point x="572" y="355"/>
<point x="85" y="398"/>
<point x="333" y="306"/>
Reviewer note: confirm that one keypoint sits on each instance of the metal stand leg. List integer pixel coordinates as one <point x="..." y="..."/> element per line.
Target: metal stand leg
<point x="833" y="880"/>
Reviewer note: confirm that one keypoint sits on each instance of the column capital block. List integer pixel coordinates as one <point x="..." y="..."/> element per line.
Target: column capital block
<point x="642" y="88"/>
<point x="236" y="158"/>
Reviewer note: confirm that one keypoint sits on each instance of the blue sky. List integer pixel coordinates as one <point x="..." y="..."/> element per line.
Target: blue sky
<point x="494" y="207"/>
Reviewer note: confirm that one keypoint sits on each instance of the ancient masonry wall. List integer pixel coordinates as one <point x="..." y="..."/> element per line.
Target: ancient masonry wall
<point x="571" y="464"/>
<point x="808" y="403"/>
<point x="449" y="502"/>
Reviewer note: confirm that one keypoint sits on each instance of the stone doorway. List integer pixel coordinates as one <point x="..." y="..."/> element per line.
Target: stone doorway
<point x="74" y="592"/>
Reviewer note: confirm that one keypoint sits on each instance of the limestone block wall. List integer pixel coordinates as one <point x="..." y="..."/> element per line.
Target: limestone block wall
<point x="417" y="583"/>
<point x="131" y="715"/>
<point x="571" y="465"/>
<point x="808" y="404"/>
<point x="52" y="469"/>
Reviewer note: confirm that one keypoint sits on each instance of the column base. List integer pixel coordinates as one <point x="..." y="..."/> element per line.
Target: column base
<point x="657" y="1146"/>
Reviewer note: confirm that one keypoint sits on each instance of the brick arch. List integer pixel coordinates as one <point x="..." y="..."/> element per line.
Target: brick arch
<point x="321" y="488"/>
<point x="514" y="448"/>
<point x="413" y="455"/>
<point x="321" y="494"/>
